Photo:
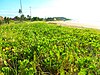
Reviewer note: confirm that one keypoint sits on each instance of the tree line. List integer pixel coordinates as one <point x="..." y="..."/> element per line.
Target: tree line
<point x="23" y="18"/>
<point x="29" y="18"/>
<point x="6" y="20"/>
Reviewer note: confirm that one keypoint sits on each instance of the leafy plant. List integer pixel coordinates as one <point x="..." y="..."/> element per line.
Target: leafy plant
<point x="42" y="49"/>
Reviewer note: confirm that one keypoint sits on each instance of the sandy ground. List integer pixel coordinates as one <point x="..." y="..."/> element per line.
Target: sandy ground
<point x="74" y="24"/>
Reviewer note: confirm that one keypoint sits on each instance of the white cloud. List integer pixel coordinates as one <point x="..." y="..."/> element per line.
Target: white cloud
<point x="78" y="9"/>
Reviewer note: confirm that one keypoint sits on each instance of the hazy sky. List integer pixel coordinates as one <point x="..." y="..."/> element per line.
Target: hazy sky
<point x="75" y="9"/>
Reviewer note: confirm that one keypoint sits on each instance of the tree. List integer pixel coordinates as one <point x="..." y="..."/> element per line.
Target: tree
<point x="28" y="17"/>
<point x="35" y="19"/>
<point x="22" y="17"/>
<point x="6" y="20"/>
<point x="16" y="18"/>
<point x="40" y="19"/>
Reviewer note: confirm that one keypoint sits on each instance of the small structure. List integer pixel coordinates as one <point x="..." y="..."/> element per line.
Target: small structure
<point x="54" y="19"/>
<point x="1" y="18"/>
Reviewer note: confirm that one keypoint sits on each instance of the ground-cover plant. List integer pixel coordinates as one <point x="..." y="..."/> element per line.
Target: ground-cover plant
<point x="46" y="49"/>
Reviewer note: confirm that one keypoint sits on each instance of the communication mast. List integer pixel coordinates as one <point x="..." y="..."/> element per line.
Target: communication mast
<point x="30" y="12"/>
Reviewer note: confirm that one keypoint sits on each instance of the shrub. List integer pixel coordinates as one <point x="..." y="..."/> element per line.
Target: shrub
<point x="0" y="22"/>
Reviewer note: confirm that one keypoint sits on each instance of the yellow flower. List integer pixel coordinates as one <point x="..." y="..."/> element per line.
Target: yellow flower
<point x="13" y="50"/>
<point x="7" y="48"/>
<point x="3" y="49"/>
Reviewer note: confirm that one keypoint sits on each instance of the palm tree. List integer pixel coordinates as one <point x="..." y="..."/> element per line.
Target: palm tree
<point x="20" y="10"/>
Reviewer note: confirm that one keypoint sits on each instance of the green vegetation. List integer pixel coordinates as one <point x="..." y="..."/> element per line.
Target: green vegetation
<point x="23" y="18"/>
<point x="4" y="20"/>
<point x="47" y="49"/>
<point x="57" y="19"/>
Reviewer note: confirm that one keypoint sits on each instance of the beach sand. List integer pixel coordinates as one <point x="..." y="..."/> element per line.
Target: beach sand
<point x="74" y="24"/>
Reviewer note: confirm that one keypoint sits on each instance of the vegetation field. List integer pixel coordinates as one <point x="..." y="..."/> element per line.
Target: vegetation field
<point x="47" y="49"/>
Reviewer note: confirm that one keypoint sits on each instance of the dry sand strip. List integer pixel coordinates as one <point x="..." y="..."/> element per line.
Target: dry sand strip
<point x="73" y="24"/>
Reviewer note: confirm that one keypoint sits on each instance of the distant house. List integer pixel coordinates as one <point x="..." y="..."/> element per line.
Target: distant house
<point x="54" y="19"/>
<point x="1" y="18"/>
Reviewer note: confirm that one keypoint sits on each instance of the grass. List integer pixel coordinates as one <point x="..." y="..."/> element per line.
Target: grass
<point x="47" y="49"/>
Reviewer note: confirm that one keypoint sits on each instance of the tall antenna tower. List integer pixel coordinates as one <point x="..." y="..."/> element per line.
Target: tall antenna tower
<point x="30" y="12"/>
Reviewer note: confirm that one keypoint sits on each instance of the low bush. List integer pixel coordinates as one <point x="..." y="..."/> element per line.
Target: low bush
<point x="47" y="49"/>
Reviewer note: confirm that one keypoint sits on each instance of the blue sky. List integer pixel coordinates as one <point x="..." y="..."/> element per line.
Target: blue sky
<point x="10" y="7"/>
<point x="83" y="10"/>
